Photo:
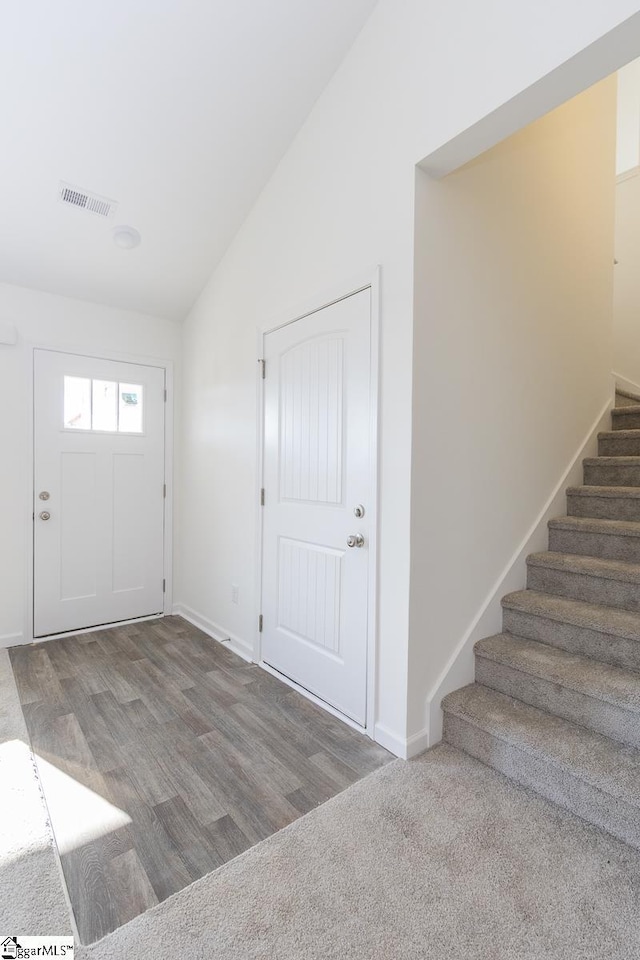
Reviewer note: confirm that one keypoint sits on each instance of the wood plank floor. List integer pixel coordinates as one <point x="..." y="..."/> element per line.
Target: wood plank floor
<point x="163" y="755"/>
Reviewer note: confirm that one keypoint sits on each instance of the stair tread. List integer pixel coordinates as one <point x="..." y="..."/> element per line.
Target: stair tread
<point x="619" y="434"/>
<point x="587" y="566"/>
<point x="605" y="764"/>
<point x="609" y="620"/>
<point x="571" y="670"/>
<point x="611" y="461"/>
<point x="621" y="392"/>
<point x="614" y="528"/>
<point x="630" y="409"/>
<point x="603" y="491"/>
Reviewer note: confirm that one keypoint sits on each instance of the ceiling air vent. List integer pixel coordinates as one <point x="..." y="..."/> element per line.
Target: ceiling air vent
<point x="83" y="200"/>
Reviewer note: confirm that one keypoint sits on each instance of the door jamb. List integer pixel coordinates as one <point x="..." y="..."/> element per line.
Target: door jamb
<point x="368" y="280"/>
<point x="118" y="357"/>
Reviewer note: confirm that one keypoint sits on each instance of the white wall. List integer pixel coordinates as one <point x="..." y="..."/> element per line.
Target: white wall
<point x="626" y="325"/>
<point x="627" y="273"/>
<point x="628" y="128"/>
<point x="626" y="359"/>
<point x="342" y="200"/>
<point x="47" y="320"/>
<point x="512" y="357"/>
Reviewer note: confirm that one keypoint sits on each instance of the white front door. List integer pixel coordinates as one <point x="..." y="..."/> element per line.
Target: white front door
<point x="317" y="479"/>
<point x="99" y="491"/>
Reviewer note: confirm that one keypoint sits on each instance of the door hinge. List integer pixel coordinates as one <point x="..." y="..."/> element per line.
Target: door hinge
<point x="263" y="364"/>
<point x="260" y="624"/>
<point x="164" y="586"/>
<point x="262" y="497"/>
<point x="164" y="490"/>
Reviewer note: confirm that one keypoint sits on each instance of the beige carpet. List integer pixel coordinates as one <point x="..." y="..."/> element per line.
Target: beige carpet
<point x="438" y="858"/>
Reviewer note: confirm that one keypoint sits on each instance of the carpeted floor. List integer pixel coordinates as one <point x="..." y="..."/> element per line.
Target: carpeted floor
<point x="438" y="858"/>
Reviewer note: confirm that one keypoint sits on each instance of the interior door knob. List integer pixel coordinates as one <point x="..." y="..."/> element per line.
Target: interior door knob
<point x="44" y="515"/>
<point x="355" y="540"/>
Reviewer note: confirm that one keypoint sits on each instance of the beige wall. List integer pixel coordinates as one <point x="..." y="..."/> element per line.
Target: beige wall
<point x="626" y="351"/>
<point x="512" y="358"/>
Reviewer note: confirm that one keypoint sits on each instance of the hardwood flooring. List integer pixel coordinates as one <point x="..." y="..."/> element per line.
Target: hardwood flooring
<point x="197" y="754"/>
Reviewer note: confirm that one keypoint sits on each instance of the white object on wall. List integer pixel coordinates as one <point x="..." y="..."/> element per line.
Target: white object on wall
<point x="628" y="127"/>
<point x="626" y="288"/>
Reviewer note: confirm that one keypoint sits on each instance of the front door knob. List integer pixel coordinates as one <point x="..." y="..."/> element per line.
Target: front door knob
<point x="45" y="515"/>
<point x="355" y="540"/>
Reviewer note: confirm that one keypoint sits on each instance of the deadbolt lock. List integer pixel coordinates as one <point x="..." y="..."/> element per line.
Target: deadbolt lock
<point x="359" y="510"/>
<point x="44" y="494"/>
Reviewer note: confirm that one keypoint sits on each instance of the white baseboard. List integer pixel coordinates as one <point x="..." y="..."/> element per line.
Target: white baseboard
<point x="403" y="747"/>
<point x="460" y="669"/>
<point x="624" y="384"/>
<point x="390" y="741"/>
<point x="214" y="630"/>
<point x="12" y="640"/>
<point x="417" y="743"/>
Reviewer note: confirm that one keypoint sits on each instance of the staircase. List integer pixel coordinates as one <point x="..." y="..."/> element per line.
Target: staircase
<point x="556" y="702"/>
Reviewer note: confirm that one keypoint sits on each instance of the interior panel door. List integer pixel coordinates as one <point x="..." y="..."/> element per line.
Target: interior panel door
<point x="317" y="473"/>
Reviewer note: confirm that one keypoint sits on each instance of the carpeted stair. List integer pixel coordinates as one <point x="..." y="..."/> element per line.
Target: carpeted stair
<point x="556" y="702"/>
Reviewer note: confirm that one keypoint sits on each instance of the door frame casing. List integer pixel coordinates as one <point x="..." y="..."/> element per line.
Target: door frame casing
<point x="118" y="357"/>
<point x="368" y="280"/>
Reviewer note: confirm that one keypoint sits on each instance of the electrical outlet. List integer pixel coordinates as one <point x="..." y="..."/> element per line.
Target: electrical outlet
<point x="235" y="593"/>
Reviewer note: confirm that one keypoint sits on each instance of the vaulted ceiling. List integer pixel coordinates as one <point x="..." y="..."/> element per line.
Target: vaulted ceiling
<point x="178" y="110"/>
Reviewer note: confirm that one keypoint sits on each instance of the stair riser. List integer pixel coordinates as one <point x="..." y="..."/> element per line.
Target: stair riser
<point x="605" y="718"/>
<point x="547" y="779"/>
<point x="611" y="475"/>
<point x="625" y="421"/>
<point x="604" y="508"/>
<point x="619" y="447"/>
<point x="618" y="651"/>
<point x="595" y="545"/>
<point x="577" y="586"/>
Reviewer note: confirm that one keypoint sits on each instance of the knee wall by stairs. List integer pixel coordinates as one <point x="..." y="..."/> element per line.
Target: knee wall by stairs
<point x="459" y="669"/>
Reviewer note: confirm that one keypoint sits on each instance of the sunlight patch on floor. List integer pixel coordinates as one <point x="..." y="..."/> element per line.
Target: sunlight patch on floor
<point x="22" y="813"/>
<point x="79" y="814"/>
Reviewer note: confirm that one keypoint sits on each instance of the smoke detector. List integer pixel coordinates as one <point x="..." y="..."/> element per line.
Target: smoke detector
<point x="85" y="200"/>
<point x="126" y="237"/>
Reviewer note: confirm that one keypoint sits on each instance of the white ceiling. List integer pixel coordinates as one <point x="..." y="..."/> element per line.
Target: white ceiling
<point x="177" y="109"/>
